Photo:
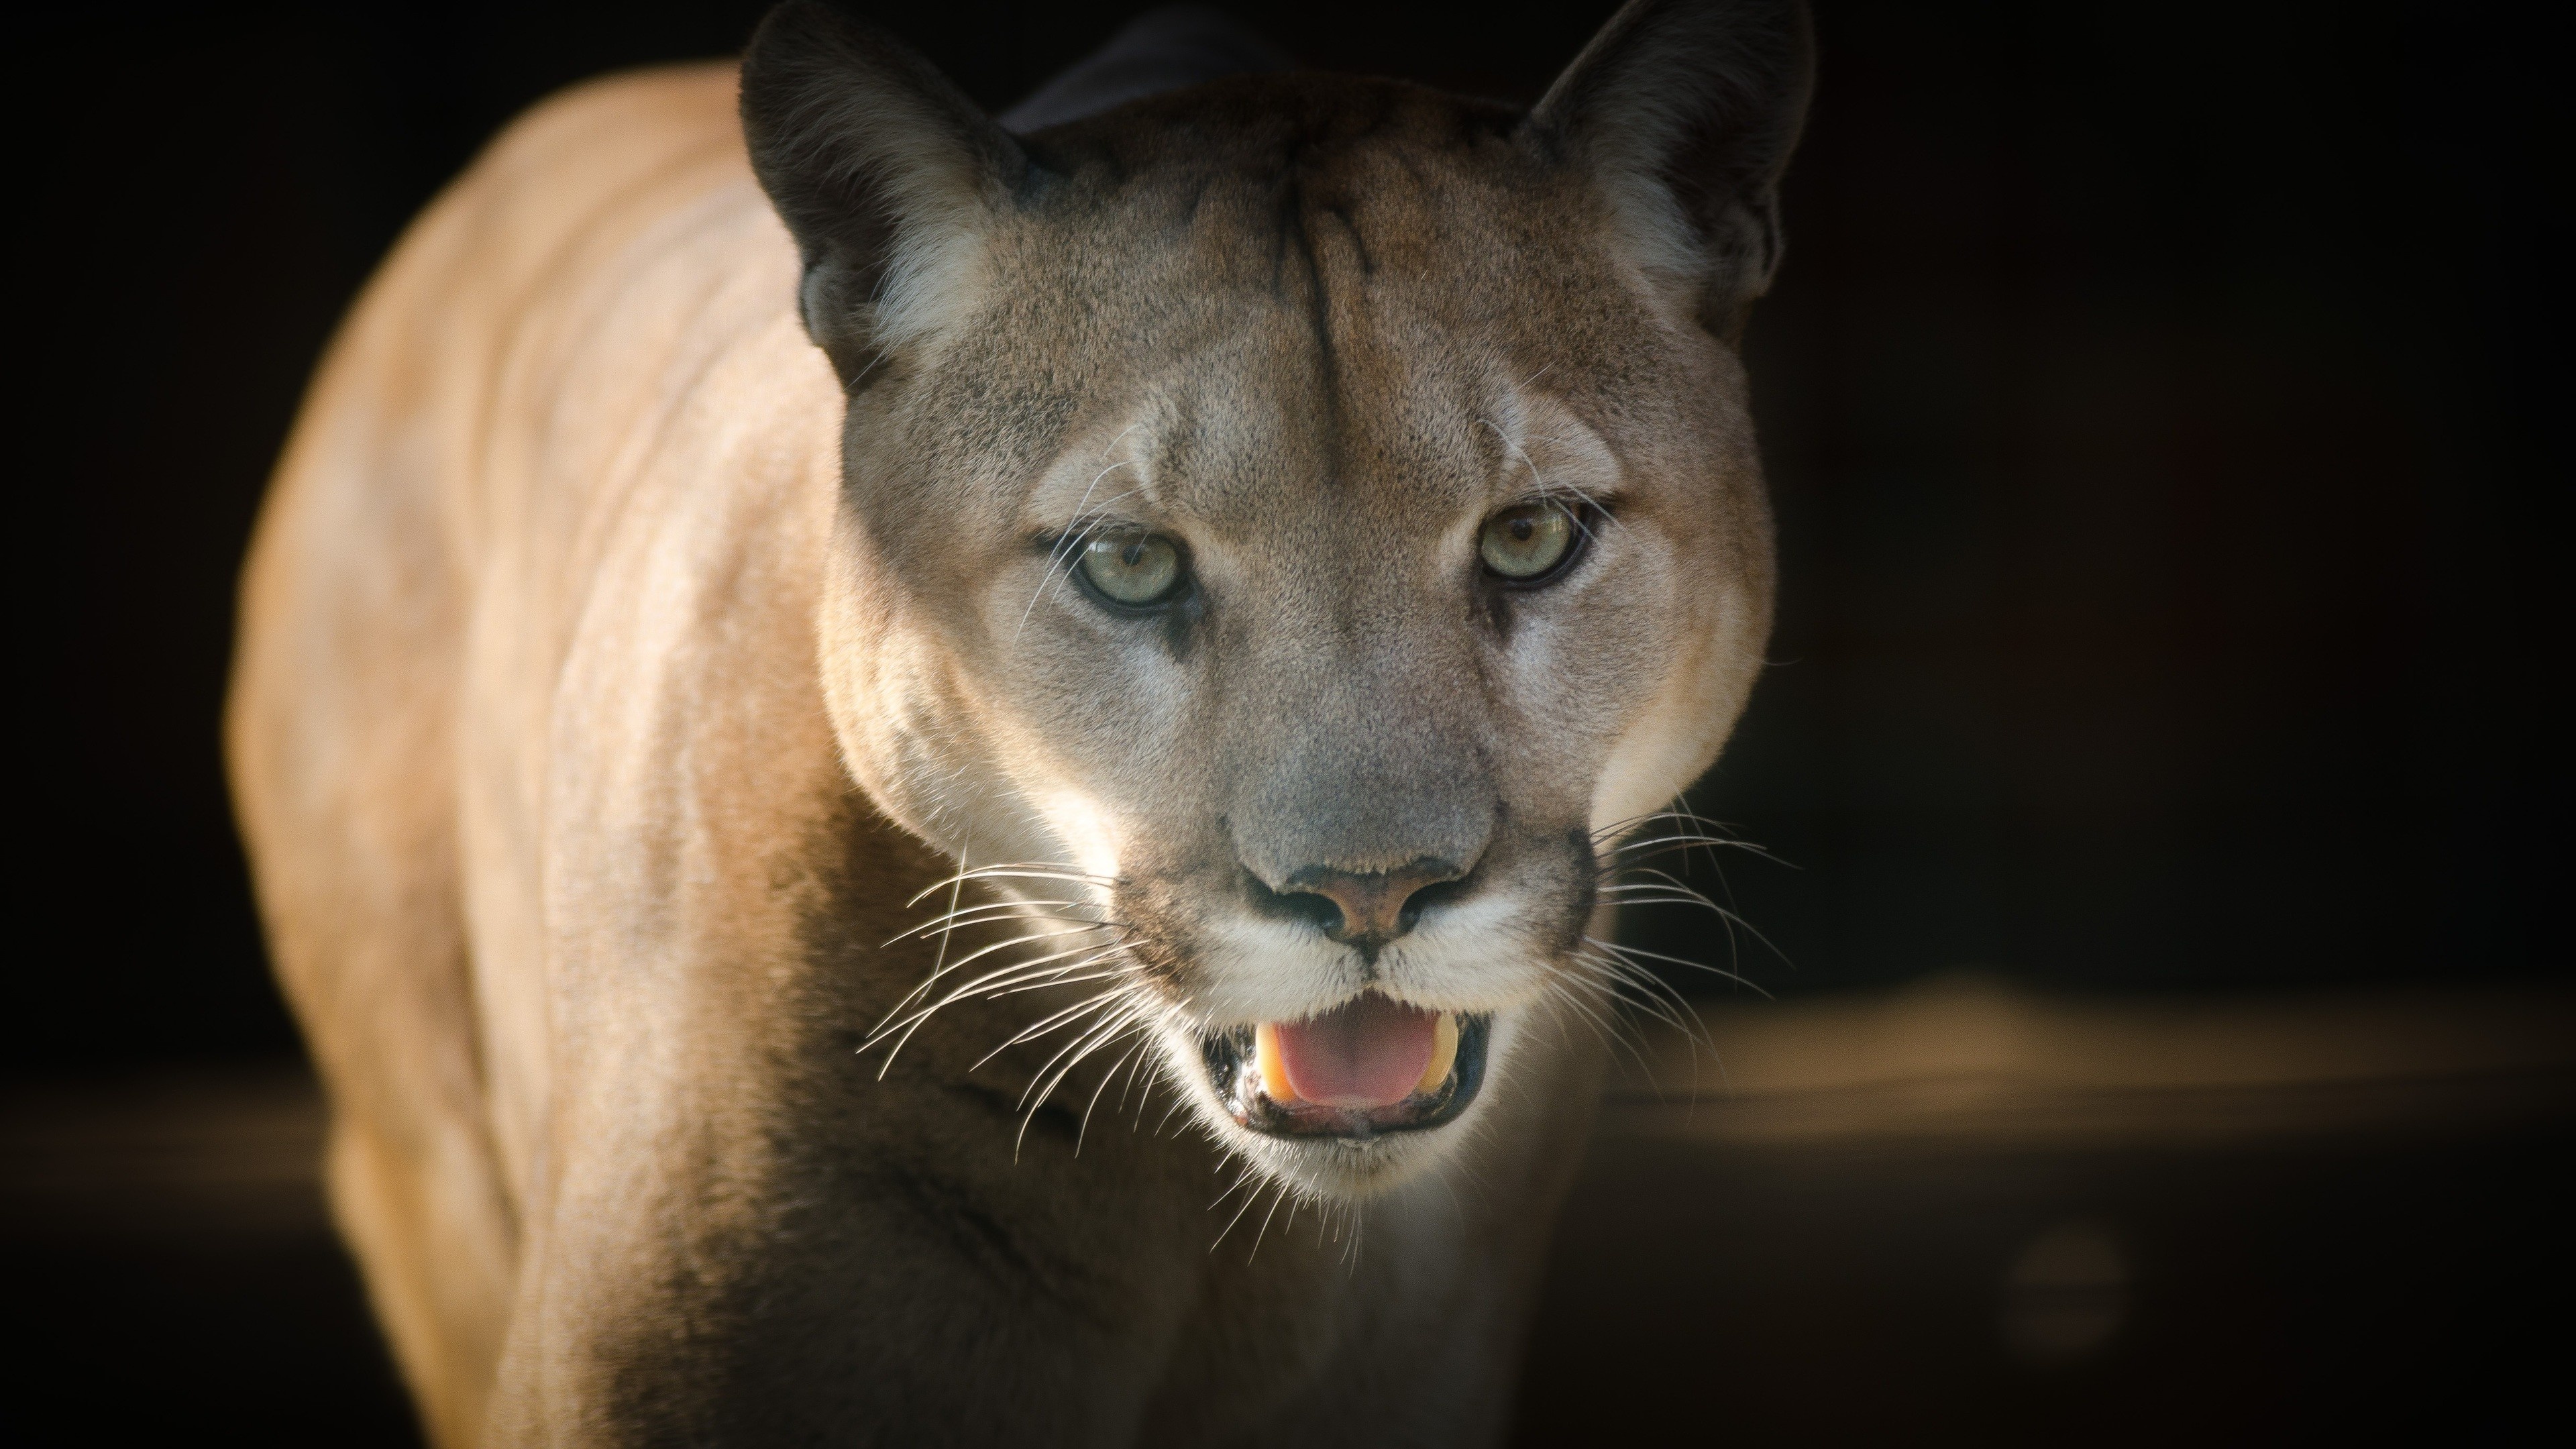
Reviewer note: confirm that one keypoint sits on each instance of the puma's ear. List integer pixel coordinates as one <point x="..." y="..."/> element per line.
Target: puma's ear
<point x="886" y="174"/>
<point x="1685" y="112"/>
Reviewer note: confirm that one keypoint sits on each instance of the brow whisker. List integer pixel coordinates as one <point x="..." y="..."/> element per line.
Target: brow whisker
<point x="1061" y="551"/>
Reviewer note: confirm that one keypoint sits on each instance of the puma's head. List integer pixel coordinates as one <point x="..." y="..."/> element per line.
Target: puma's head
<point x="1291" y="526"/>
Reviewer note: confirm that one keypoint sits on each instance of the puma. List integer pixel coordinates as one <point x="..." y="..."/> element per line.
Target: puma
<point x="928" y="779"/>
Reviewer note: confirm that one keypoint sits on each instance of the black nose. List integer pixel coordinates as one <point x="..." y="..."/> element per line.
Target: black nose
<point x="1370" y="909"/>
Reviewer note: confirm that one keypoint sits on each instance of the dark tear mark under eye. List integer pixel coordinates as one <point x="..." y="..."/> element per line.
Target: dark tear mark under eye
<point x="1493" y="606"/>
<point x="1181" y="620"/>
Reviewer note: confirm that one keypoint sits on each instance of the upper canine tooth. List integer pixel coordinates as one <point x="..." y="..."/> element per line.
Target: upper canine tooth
<point x="1274" y="1067"/>
<point x="1444" y="1054"/>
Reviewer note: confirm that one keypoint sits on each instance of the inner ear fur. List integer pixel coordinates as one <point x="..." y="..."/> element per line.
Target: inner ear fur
<point x="1685" y="112"/>
<point x="885" y="173"/>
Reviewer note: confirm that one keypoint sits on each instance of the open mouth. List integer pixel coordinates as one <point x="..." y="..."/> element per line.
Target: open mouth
<point x="1366" y="1068"/>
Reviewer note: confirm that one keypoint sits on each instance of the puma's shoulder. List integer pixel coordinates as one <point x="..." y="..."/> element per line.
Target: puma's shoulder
<point x="551" y="211"/>
<point x="589" y="148"/>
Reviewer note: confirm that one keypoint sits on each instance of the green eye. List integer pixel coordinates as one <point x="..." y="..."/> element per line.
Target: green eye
<point x="1132" y="568"/>
<point x="1525" y="542"/>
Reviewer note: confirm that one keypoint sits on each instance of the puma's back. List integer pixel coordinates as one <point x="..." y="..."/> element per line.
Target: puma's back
<point x="1253" y="552"/>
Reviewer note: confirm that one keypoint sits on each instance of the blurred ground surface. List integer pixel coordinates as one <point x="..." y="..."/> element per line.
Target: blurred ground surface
<point x="1956" y="1215"/>
<point x="1950" y="1215"/>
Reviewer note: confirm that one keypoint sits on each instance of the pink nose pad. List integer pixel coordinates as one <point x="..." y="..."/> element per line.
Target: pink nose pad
<point x="1371" y="906"/>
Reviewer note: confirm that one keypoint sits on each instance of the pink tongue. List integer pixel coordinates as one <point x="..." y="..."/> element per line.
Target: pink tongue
<point x="1365" y="1053"/>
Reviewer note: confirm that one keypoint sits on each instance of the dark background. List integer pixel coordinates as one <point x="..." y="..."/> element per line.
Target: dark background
<point x="2158" y="400"/>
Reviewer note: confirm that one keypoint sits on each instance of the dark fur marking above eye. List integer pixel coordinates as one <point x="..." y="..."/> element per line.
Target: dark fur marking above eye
<point x="1294" y="236"/>
<point x="1287" y="237"/>
<point x="1359" y="244"/>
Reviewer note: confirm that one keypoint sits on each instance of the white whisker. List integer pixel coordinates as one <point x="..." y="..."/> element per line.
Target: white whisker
<point x="1014" y="870"/>
<point x="984" y="911"/>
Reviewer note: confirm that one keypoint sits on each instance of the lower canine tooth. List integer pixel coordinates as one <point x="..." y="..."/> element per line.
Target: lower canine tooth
<point x="1274" y="1067"/>
<point x="1444" y="1055"/>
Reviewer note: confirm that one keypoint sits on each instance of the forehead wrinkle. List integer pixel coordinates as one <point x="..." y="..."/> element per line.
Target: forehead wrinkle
<point x="1254" y="475"/>
<point x="1146" y="458"/>
<point x="1394" y="426"/>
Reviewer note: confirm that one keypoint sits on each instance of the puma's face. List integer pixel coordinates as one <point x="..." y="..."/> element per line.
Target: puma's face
<point x="1289" y="530"/>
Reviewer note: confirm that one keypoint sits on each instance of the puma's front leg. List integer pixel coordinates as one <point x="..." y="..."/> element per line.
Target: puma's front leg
<point x="743" y="1236"/>
<point x="846" y="1262"/>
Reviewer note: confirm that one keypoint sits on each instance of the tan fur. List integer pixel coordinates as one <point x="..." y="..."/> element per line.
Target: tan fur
<point x="566" y="634"/>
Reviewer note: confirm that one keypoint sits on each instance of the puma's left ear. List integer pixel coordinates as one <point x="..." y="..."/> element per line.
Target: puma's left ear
<point x="1685" y="112"/>
<point x="885" y="172"/>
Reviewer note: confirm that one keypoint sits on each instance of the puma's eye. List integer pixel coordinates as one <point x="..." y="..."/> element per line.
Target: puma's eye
<point x="1132" y="568"/>
<point x="1524" y="543"/>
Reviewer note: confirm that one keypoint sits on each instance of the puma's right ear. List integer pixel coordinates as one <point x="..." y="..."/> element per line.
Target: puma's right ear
<point x="1685" y="112"/>
<point x="886" y="174"/>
